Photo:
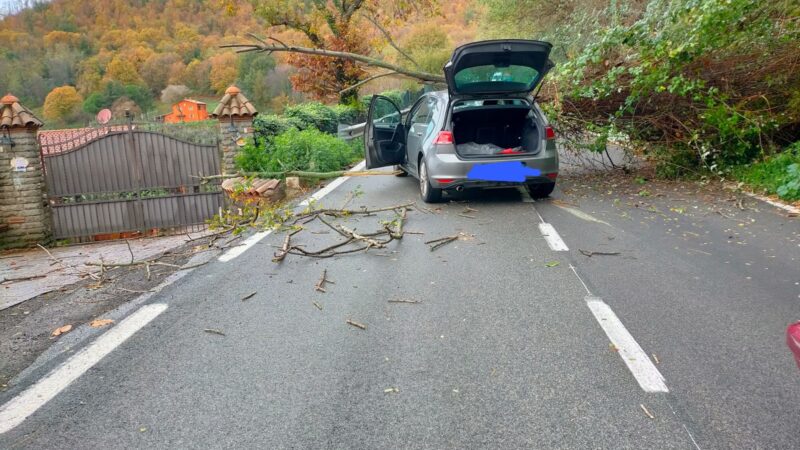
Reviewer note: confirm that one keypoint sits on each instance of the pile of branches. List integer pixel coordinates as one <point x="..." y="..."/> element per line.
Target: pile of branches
<point x="352" y="241"/>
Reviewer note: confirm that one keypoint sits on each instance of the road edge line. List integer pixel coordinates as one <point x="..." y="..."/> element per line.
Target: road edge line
<point x="15" y="411"/>
<point x="257" y="237"/>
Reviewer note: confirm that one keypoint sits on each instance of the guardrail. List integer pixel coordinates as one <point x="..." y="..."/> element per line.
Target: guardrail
<point x="348" y="133"/>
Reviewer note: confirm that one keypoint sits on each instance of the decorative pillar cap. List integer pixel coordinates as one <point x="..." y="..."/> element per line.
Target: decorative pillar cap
<point x="234" y="105"/>
<point x="14" y="115"/>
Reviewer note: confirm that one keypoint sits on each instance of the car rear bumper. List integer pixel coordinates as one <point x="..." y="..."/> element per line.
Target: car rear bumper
<point x="448" y="171"/>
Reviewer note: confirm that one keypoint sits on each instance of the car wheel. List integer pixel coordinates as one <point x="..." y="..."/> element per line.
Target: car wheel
<point x="541" y="190"/>
<point x="402" y="171"/>
<point x="428" y="193"/>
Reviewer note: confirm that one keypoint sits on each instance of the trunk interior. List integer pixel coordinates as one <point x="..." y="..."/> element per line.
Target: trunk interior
<point x="489" y="130"/>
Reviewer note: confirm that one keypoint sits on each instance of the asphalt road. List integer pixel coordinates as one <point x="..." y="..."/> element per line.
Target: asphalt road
<point x="502" y="350"/>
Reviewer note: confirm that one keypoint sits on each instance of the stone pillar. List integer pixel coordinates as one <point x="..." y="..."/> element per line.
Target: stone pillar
<point x="233" y="134"/>
<point x="235" y="114"/>
<point x="24" y="214"/>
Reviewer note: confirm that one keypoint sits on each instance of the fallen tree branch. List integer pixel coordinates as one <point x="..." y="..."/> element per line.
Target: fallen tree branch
<point x="366" y="80"/>
<point x="441" y="241"/>
<point x="262" y="46"/>
<point x="320" y="287"/>
<point x="296" y="173"/>
<point x="590" y="253"/>
<point x="356" y="324"/>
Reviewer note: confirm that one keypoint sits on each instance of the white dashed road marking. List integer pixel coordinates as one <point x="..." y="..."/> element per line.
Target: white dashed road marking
<point x="254" y="239"/>
<point x="22" y="406"/>
<point x="553" y="239"/>
<point x="645" y="372"/>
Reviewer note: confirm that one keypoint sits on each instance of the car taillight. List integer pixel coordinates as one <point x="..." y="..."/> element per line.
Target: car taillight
<point x="444" y="137"/>
<point x="552" y="176"/>
<point x="509" y="151"/>
<point x="549" y="133"/>
<point x="445" y="180"/>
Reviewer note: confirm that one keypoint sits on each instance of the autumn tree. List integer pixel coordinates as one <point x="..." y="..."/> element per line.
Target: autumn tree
<point x="335" y="26"/>
<point x="122" y="70"/>
<point x="223" y="71"/>
<point x="156" y="70"/>
<point x="62" y="104"/>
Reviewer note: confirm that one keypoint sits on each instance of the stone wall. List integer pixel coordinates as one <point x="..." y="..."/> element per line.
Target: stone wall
<point x="243" y="128"/>
<point x="24" y="216"/>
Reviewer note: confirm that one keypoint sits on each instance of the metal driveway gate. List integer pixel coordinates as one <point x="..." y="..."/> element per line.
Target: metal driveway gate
<point x="126" y="181"/>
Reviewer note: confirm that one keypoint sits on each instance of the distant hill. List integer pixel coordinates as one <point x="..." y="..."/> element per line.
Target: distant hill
<point x="119" y="52"/>
<point x="91" y="44"/>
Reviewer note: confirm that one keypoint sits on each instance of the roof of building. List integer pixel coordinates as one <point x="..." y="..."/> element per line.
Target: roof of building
<point x="14" y="115"/>
<point x="234" y="104"/>
<point x="191" y="100"/>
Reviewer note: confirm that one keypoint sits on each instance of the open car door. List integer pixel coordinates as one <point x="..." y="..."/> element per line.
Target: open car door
<point x="384" y="134"/>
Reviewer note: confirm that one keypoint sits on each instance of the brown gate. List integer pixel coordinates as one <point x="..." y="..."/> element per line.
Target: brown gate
<point x="125" y="181"/>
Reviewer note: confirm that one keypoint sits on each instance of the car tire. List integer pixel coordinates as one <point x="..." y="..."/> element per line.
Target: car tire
<point x="402" y="173"/>
<point x="428" y="193"/>
<point x="541" y="190"/>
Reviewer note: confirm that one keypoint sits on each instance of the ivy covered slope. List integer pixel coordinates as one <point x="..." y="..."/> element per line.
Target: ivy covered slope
<point x="701" y="85"/>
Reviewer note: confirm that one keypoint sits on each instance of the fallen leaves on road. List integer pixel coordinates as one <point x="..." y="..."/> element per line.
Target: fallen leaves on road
<point x="61" y="330"/>
<point x="647" y="412"/>
<point x="552" y="264"/>
<point x="356" y="324"/>
<point x="404" y="301"/>
<point x="319" y="307"/>
<point x="250" y="295"/>
<point x="655" y="358"/>
<point x="214" y="331"/>
<point x="391" y="390"/>
<point x="100" y="323"/>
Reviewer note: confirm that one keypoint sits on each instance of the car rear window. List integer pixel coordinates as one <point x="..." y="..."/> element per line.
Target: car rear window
<point x="489" y="78"/>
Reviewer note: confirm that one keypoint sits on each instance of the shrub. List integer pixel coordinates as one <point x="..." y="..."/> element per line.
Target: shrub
<point x="267" y="126"/>
<point x="310" y="150"/>
<point x="314" y="115"/>
<point x="779" y="174"/>
<point x="294" y="149"/>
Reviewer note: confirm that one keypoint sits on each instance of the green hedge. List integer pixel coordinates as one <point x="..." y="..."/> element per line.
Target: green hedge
<point x="307" y="150"/>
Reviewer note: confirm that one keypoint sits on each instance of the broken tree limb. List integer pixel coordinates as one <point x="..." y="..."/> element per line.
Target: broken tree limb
<point x="370" y="242"/>
<point x="281" y="254"/>
<point x="356" y="324"/>
<point x="263" y="46"/>
<point x="296" y="173"/>
<point x="320" y="287"/>
<point x="590" y="253"/>
<point x="441" y="241"/>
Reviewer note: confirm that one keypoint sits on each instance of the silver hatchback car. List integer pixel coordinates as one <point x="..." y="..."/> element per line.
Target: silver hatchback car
<point x="484" y="131"/>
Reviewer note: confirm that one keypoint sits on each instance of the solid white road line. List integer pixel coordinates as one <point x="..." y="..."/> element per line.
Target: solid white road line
<point x="553" y="239"/>
<point x="332" y="185"/>
<point x="254" y="239"/>
<point x="22" y="406"/>
<point x="645" y="372"/>
<point x="246" y="244"/>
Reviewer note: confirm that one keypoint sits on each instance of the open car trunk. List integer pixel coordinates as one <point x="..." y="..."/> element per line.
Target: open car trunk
<point x="492" y="128"/>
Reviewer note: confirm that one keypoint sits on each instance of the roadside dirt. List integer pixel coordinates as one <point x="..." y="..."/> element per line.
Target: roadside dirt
<point x="26" y="329"/>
